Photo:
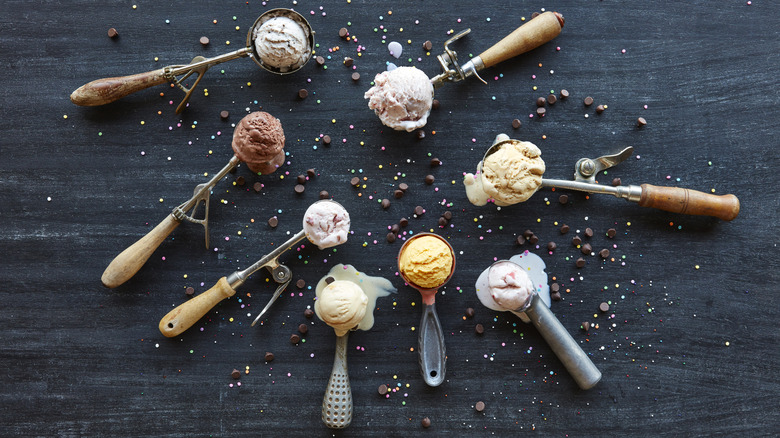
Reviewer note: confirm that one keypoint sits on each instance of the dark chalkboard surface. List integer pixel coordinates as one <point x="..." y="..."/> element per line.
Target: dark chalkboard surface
<point x="688" y="346"/>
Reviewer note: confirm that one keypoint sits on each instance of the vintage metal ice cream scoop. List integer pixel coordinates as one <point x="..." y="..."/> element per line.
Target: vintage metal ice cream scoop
<point x="289" y="49"/>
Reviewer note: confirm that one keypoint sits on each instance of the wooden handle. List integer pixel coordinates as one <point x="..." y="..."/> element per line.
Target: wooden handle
<point x="107" y="90"/>
<point x="187" y="314"/>
<point x="686" y="201"/>
<point x="527" y="37"/>
<point x="129" y="261"/>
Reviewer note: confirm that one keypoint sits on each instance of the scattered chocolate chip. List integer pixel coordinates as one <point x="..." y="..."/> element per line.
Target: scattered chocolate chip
<point x="311" y="173"/>
<point x="563" y="199"/>
<point x="470" y="312"/>
<point x="295" y="339"/>
<point x="541" y="101"/>
<point x="419" y="210"/>
<point x="303" y="329"/>
<point x="112" y="33"/>
<point x="343" y="32"/>
<point x="190" y="291"/>
<point x="348" y="61"/>
<point x="576" y="240"/>
<point x="303" y="93"/>
<point x="395" y="228"/>
<point x="390" y="237"/>
<point x="385" y="203"/>
<point x="300" y="188"/>
<point x="534" y="15"/>
<point x="429" y="179"/>
<point x="588" y="232"/>
<point x="604" y="307"/>
<point x="435" y="162"/>
<point x="540" y="111"/>
<point x="301" y="283"/>
<point x="326" y="139"/>
<point x="479" y="406"/>
<point x="403" y="186"/>
<point x="611" y="233"/>
<point x="354" y="181"/>
<point x="426" y="422"/>
<point x="224" y="114"/>
<point x="555" y="296"/>
<point x="585" y="325"/>
<point x="516" y="123"/>
<point x="442" y="222"/>
<point x="403" y="222"/>
<point x="447" y="215"/>
<point x="564" y="94"/>
<point x="520" y="240"/>
<point x="564" y="229"/>
<point x="301" y="179"/>
<point x="240" y="181"/>
<point x="204" y="41"/>
<point x="533" y="240"/>
<point x="479" y="329"/>
<point x="273" y="222"/>
<point x="436" y="104"/>
<point x="324" y="194"/>
<point x="308" y="313"/>
<point x="420" y="134"/>
<point x="555" y="287"/>
<point x="398" y="193"/>
<point x="586" y="249"/>
<point x="355" y="76"/>
<point x="257" y="186"/>
<point x="600" y="109"/>
<point x="551" y="99"/>
<point x="551" y="246"/>
<point x="528" y="233"/>
<point x="269" y="356"/>
<point x="640" y="122"/>
<point x="235" y="374"/>
<point x="329" y="280"/>
<point x="427" y="46"/>
<point x="382" y="390"/>
<point x="588" y="101"/>
<point x="604" y="253"/>
<point x="616" y="182"/>
<point x="320" y="60"/>
<point x="580" y="263"/>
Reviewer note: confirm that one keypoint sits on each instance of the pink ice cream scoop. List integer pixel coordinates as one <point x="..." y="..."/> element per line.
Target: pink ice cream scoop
<point x="258" y="140"/>
<point x="401" y="98"/>
<point x="509" y="285"/>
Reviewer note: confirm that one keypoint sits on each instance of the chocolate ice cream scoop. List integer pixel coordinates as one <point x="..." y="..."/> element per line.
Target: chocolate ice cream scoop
<point x="258" y="140"/>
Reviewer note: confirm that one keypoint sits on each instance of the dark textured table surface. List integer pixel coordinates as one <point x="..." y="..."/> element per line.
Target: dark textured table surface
<point x="689" y="346"/>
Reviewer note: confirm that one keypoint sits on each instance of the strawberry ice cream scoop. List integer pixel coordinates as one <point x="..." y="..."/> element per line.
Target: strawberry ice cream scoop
<point x="509" y="286"/>
<point x="258" y="140"/>
<point x="401" y="98"/>
<point x="326" y="224"/>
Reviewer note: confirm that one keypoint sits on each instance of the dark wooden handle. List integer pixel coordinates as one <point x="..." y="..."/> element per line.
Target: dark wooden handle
<point x="686" y="201"/>
<point x="107" y="90"/>
<point x="527" y="37"/>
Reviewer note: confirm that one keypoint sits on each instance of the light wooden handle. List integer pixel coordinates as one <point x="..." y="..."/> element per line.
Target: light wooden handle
<point x="129" y="261"/>
<point x="686" y="201"/>
<point x="527" y="37"/>
<point x="187" y="314"/>
<point x="107" y="90"/>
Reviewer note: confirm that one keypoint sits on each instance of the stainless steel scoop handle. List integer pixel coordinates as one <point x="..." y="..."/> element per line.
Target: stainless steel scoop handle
<point x="433" y="357"/>
<point x="563" y="345"/>
<point x="337" y="402"/>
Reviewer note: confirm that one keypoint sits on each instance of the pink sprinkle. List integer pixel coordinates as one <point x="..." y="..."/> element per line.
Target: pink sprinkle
<point x="231" y="385"/>
<point x="289" y="375"/>
<point x="219" y="132"/>
<point x="458" y="20"/>
<point x="163" y="258"/>
<point x="351" y="126"/>
<point x="533" y="76"/>
<point x="473" y="140"/>
<point x="623" y="51"/>
<point x="558" y="49"/>
<point x="143" y="153"/>
<point x="227" y="237"/>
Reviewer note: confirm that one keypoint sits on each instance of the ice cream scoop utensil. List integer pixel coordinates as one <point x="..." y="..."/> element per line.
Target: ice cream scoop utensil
<point x="337" y="401"/>
<point x="431" y="349"/>
<point x="130" y="261"/>
<point x="107" y="90"/>
<point x="529" y="36"/>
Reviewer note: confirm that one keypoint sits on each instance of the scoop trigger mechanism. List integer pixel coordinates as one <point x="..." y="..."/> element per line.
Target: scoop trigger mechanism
<point x="586" y="169"/>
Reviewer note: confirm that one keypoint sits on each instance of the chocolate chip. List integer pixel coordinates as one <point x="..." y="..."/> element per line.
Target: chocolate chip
<point x="390" y="237"/>
<point x="564" y="229"/>
<point x="604" y="253"/>
<point x="303" y="93"/>
<point x="224" y="114"/>
<point x="611" y="233"/>
<point x="403" y="186"/>
<point x="426" y="422"/>
<point x="395" y="228"/>
<point x="528" y="233"/>
<point x="427" y="46"/>
<point x="436" y="104"/>
<point x="403" y="222"/>
<point x="308" y="313"/>
<point x="235" y="374"/>
<point x="580" y="263"/>
<point x="534" y="15"/>
<point x="269" y="356"/>
<point x="355" y="76"/>
<point x="555" y="287"/>
<point x="442" y="222"/>
<point x="604" y="307"/>
<point x="329" y="280"/>
<point x="303" y="329"/>
<point x="588" y="232"/>
<point x="112" y="33"/>
<point x="190" y="291"/>
<point x="343" y="32"/>
<point x="540" y="111"/>
<point x="429" y="179"/>
<point x="576" y="240"/>
<point x="600" y="109"/>
<point x="588" y="101"/>
<point x="326" y="139"/>
<point x="385" y="203"/>
<point x="551" y="99"/>
<point x="420" y="134"/>
<point x="300" y="188"/>
<point x="516" y="123"/>
<point x="551" y="246"/>
<point x="324" y="194"/>
<point x="555" y="296"/>
<point x="586" y="249"/>
<point x="520" y="240"/>
<point x="257" y="186"/>
<point x="435" y="162"/>
<point x="640" y="122"/>
<point x="479" y="406"/>
<point x="585" y="325"/>
<point x="447" y="215"/>
<point x="398" y="193"/>
<point x="541" y="101"/>
<point x="479" y="329"/>
<point x="301" y="283"/>
<point x="295" y="339"/>
<point x="311" y="173"/>
<point x="204" y="41"/>
<point x="616" y="182"/>
<point x="564" y="94"/>
<point x="348" y="61"/>
<point x="382" y="390"/>
<point x="533" y="240"/>
<point x="563" y="199"/>
<point x="240" y="181"/>
<point x="273" y="222"/>
<point x="354" y="181"/>
<point x="320" y="60"/>
<point x="301" y="179"/>
<point x="470" y="312"/>
<point x="419" y="210"/>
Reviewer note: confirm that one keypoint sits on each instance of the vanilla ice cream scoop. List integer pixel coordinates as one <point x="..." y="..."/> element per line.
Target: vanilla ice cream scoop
<point x="341" y="305"/>
<point x="326" y="224"/>
<point x="402" y="98"/>
<point x="282" y="43"/>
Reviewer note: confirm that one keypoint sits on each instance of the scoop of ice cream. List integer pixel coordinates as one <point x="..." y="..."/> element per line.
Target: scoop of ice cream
<point x="282" y="44"/>
<point x="326" y="224"/>
<point x="512" y="173"/>
<point x="341" y="305"/>
<point x="258" y="140"/>
<point x="426" y="261"/>
<point x="509" y="285"/>
<point x="402" y="98"/>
